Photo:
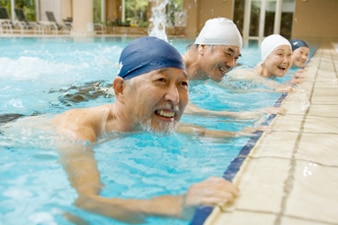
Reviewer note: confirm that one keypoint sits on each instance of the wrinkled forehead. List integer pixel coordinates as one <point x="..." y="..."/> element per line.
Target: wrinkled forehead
<point x="233" y="49"/>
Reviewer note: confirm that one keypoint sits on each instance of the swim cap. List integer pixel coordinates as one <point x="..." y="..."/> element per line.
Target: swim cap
<point x="297" y="43"/>
<point x="219" y="31"/>
<point x="146" y="54"/>
<point x="270" y="43"/>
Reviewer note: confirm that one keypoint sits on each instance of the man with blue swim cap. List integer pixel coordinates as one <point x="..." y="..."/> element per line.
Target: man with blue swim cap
<point x="151" y="92"/>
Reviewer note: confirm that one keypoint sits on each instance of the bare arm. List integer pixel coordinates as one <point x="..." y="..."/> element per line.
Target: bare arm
<point x="249" y="75"/>
<point x="81" y="168"/>
<point x="192" y="129"/>
<point x="193" y="109"/>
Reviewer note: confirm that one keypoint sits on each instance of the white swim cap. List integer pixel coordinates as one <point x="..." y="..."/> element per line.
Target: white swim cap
<point x="219" y="31"/>
<point x="270" y="43"/>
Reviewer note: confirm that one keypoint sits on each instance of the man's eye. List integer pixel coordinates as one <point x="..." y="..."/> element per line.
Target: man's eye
<point x="161" y="80"/>
<point x="228" y="54"/>
<point x="184" y="83"/>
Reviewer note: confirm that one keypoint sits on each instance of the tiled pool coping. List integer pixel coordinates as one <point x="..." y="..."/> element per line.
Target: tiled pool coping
<point x="203" y="212"/>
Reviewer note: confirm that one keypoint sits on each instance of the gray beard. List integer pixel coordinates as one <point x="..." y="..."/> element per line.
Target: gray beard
<point x="163" y="128"/>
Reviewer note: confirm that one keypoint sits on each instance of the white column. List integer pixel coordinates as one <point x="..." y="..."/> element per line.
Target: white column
<point x="12" y="10"/>
<point x="123" y="15"/>
<point x="83" y="18"/>
<point x="37" y="10"/>
<point x="278" y="16"/>
<point x="246" y="23"/>
<point x="262" y="21"/>
<point x="103" y="11"/>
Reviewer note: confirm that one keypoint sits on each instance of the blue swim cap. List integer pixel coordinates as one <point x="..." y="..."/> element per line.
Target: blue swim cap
<point x="297" y="43"/>
<point x="147" y="54"/>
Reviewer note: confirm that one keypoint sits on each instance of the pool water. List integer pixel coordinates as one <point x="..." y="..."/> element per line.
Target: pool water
<point x="38" y="77"/>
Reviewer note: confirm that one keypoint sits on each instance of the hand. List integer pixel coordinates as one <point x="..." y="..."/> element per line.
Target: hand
<point x="298" y="77"/>
<point x="212" y="192"/>
<point x="287" y="88"/>
<point x="248" y="131"/>
<point x="249" y="115"/>
<point x="274" y="110"/>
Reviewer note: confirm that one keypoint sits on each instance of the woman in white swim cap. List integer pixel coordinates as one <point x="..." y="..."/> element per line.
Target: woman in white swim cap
<point x="275" y="62"/>
<point x="276" y="56"/>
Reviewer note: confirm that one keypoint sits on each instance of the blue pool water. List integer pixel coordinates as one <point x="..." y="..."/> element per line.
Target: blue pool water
<point x="38" y="76"/>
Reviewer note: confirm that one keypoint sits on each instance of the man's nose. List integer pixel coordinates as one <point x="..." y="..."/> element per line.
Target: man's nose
<point x="172" y="94"/>
<point x="232" y="62"/>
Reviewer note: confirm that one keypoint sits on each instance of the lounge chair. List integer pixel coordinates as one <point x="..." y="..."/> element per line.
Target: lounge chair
<point x="52" y="20"/>
<point x="22" y="21"/>
<point x="5" y="21"/>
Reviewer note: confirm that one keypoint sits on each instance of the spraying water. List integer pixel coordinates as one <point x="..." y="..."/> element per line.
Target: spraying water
<point x="158" y="19"/>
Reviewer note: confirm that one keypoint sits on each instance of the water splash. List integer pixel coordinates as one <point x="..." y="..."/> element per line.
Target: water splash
<point x="158" y="20"/>
<point x="304" y="100"/>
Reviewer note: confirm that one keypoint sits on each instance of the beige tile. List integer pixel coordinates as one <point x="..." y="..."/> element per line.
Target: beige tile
<point x="307" y="85"/>
<point x="297" y="102"/>
<point x="300" y="94"/>
<point x="261" y="183"/>
<point x="310" y="71"/>
<point x="299" y="221"/>
<point x="326" y="100"/>
<point x="314" y="193"/>
<point x="270" y="145"/>
<point x="241" y="218"/>
<point x="328" y="91"/>
<point x="326" y="71"/>
<point x="321" y="124"/>
<point x="324" y="110"/>
<point x="288" y="123"/>
<point x="296" y="107"/>
<point x="325" y="75"/>
<point x="319" y="148"/>
<point x="326" y="83"/>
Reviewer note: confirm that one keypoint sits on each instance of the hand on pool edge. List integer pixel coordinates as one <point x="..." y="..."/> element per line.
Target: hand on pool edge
<point x="213" y="191"/>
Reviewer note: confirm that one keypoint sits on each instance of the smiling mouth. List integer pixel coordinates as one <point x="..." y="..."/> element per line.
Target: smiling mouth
<point x="165" y="113"/>
<point x="282" y="68"/>
<point x="223" y="69"/>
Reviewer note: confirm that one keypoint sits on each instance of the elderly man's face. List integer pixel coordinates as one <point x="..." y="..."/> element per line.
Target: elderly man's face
<point x="157" y="99"/>
<point x="219" y="60"/>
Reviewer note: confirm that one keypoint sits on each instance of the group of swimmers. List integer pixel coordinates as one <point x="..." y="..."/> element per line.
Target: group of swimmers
<point x="151" y="94"/>
<point x="277" y="56"/>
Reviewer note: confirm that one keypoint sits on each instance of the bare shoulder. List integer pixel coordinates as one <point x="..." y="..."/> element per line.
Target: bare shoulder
<point x="71" y="116"/>
<point x="81" y="114"/>
<point x="81" y="123"/>
<point x="80" y="117"/>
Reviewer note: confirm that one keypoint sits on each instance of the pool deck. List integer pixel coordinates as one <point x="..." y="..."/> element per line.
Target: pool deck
<point x="291" y="174"/>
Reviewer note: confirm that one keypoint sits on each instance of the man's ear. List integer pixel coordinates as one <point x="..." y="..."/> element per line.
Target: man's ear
<point x="119" y="88"/>
<point x="201" y="49"/>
